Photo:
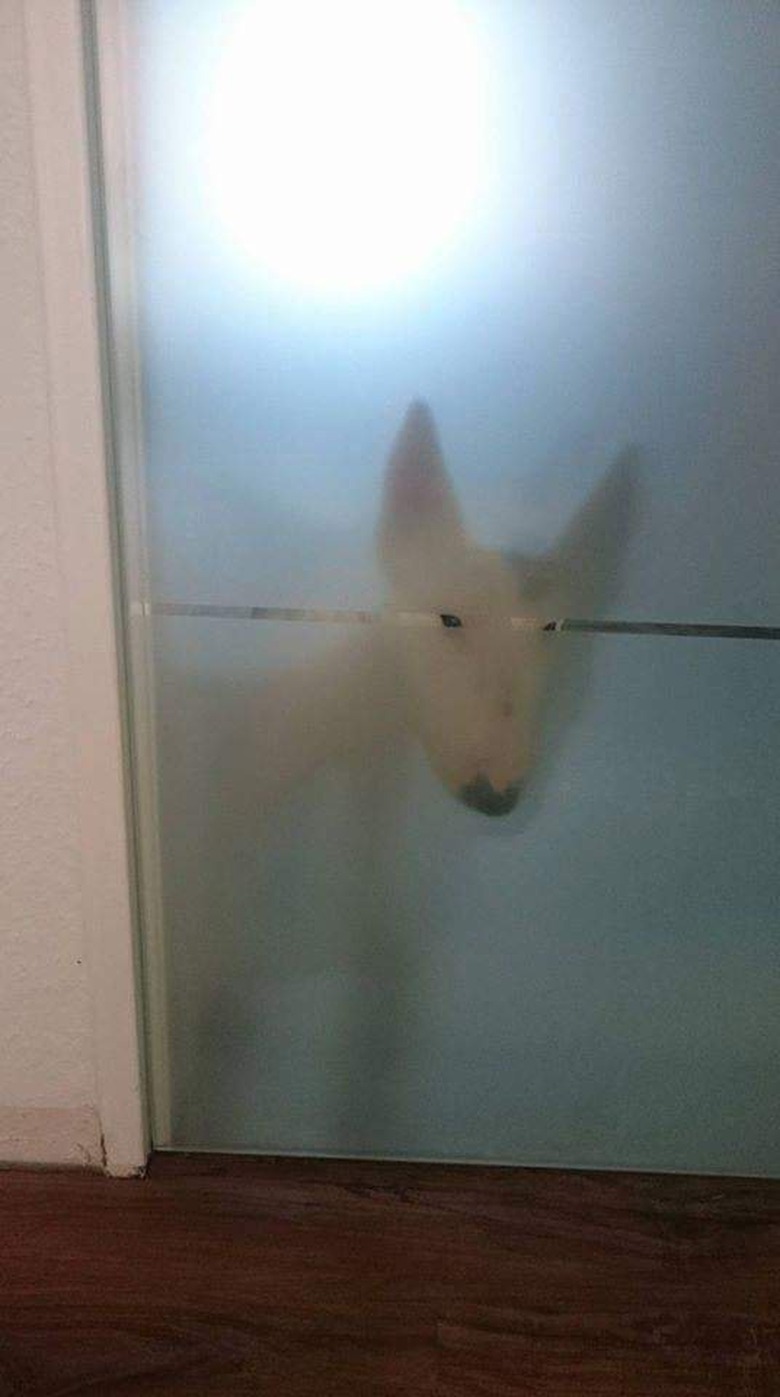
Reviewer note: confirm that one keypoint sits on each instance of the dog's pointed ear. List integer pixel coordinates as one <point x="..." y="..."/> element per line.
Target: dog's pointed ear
<point x="589" y="555"/>
<point x="419" y="507"/>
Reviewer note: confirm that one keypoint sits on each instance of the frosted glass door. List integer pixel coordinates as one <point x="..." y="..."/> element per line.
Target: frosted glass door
<point x="456" y="319"/>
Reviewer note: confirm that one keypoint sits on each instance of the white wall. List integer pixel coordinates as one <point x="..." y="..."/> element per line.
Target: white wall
<point x="56" y="1103"/>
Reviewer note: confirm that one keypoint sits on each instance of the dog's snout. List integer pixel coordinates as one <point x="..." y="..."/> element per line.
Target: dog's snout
<point x="481" y="795"/>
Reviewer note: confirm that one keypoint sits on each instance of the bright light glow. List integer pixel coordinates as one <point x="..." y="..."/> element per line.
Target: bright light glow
<point x="349" y="139"/>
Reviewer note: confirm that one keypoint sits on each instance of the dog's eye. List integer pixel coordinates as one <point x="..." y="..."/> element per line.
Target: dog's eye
<point x="450" y="622"/>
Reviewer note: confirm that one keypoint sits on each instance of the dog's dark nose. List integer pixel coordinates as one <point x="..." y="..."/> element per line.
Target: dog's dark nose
<point x="480" y="795"/>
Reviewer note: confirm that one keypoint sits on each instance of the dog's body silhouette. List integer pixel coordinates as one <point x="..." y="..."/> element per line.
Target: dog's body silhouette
<point x="482" y="699"/>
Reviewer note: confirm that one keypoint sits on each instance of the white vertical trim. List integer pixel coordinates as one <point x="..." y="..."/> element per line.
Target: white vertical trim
<point x="110" y="36"/>
<point x="78" y="455"/>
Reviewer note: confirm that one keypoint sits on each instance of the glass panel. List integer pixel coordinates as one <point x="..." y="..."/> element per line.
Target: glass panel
<point x="558" y="223"/>
<point x="435" y="884"/>
<point x="361" y="964"/>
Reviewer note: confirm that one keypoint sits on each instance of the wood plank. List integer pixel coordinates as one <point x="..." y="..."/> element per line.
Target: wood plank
<point x="233" y="1276"/>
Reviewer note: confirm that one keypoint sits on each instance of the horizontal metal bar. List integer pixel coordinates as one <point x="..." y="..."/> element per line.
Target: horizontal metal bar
<point x="319" y="616"/>
<point x="673" y="628"/>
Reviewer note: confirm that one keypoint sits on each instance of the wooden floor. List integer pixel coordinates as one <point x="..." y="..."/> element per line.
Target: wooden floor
<point x="239" y="1276"/>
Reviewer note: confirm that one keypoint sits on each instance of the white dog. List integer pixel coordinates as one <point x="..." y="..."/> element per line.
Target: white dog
<point x="475" y="692"/>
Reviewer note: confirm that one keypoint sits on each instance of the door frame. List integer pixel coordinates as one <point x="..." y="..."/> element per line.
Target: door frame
<point x="57" y="36"/>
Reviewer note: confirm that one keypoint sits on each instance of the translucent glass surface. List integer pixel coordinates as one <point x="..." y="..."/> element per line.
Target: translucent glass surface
<point x="436" y="885"/>
<point x="359" y="963"/>
<point x="607" y="275"/>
